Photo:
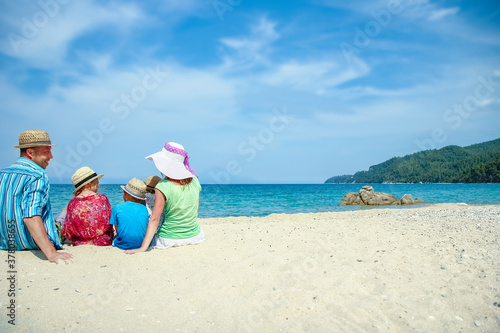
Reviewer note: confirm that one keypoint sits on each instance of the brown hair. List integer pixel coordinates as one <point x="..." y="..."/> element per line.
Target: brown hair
<point x="129" y="197"/>
<point x="24" y="151"/>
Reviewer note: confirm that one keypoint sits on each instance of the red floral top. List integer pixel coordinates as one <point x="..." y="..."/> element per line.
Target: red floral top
<point x="87" y="221"/>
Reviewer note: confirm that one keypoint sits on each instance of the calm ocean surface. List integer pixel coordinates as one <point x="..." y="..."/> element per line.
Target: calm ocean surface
<point x="261" y="200"/>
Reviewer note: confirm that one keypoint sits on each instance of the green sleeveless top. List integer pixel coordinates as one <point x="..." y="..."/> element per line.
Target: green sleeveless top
<point x="181" y="209"/>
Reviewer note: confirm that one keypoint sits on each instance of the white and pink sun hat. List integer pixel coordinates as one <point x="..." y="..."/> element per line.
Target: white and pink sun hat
<point x="173" y="161"/>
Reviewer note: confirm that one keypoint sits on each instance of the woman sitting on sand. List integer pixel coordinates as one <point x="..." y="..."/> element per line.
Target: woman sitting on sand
<point x="88" y="213"/>
<point x="178" y="196"/>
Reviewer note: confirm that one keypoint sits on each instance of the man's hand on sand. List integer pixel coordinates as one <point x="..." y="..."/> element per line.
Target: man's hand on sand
<point x="66" y="257"/>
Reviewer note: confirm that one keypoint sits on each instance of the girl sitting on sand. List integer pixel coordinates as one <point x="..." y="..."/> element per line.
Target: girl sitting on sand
<point x="178" y="196"/>
<point x="88" y="213"/>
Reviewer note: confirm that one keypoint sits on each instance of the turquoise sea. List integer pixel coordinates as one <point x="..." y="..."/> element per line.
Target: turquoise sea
<point x="261" y="200"/>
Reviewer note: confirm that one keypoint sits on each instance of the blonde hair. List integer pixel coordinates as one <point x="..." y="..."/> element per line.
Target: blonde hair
<point x="86" y="186"/>
<point x="183" y="182"/>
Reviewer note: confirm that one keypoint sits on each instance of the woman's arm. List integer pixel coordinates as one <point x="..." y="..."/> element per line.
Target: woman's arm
<point x="154" y="220"/>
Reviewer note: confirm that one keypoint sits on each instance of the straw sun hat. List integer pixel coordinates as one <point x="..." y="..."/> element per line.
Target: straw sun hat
<point x="83" y="176"/>
<point x="152" y="181"/>
<point x="173" y="161"/>
<point x="136" y="188"/>
<point x="33" y="138"/>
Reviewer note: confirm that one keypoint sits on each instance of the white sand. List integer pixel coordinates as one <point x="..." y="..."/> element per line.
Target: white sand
<point x="430" y="269"/>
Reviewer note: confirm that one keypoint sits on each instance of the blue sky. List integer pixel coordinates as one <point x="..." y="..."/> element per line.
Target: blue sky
<point x="256" y="91"/>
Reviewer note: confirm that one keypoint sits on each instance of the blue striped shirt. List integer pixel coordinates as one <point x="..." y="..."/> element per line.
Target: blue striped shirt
<point x="24" y="192"/>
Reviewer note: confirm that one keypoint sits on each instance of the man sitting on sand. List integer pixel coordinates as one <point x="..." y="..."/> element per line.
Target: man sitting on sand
<point x="131" y="217"/>
<point x="26" y="221"/>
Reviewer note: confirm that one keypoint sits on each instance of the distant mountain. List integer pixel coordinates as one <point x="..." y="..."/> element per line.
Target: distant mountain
<point x="479" y="163"/>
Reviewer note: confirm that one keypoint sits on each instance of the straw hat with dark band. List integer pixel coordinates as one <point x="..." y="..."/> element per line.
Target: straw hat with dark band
<point x="136" y="188"/>
<point x="33" y="138"/>
<point x="83" y="176"/>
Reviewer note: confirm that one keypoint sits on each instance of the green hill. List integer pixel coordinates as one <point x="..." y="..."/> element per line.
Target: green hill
<point x="479" y="163"/>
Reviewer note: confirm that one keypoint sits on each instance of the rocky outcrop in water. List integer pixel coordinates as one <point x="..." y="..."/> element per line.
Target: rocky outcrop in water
<point x="368" y="197"/>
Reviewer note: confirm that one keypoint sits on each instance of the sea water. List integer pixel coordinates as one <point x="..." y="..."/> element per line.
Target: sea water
<point x="262" y="200"/>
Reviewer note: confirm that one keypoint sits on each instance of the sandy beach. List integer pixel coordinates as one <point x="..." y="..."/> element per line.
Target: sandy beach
<point x="428" y="269"/>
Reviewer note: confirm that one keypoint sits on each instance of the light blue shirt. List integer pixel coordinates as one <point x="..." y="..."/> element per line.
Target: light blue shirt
<point x="24" y="192"/>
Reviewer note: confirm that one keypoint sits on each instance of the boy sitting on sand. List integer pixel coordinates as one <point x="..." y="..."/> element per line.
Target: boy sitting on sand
<point x="131" y="217"/>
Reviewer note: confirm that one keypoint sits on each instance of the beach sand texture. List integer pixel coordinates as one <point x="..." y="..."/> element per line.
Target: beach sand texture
<point x="428" y="269"/>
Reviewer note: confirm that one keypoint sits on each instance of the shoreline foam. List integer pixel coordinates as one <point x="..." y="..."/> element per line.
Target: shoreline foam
<point x="432" y="268"/>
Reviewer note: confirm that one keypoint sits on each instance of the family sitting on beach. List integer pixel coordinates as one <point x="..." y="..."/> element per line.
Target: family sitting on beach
<point x="157" y="214"/>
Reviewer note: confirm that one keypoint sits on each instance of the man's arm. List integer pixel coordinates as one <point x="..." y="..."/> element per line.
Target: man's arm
<point x="37" y="231"/>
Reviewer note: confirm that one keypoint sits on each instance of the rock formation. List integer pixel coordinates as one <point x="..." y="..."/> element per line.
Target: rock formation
<point x="367" y="196"/>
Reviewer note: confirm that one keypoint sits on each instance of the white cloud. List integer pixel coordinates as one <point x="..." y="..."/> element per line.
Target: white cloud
<point x="99" y="62"/>
<point x="197" y="98"/>
<point x="246" y="52"/>
<point x="424" y="9"/>
<point x="361" y="120"/>
<point x="441" y="13"/>
<point x="41" y="38"/>
<point x="410" y="8"/>
<point x="315" y="76"/>
<point x="486" y="102"/>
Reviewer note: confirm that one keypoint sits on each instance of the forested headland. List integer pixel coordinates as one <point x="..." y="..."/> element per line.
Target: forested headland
<point x="478" y="163"/>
